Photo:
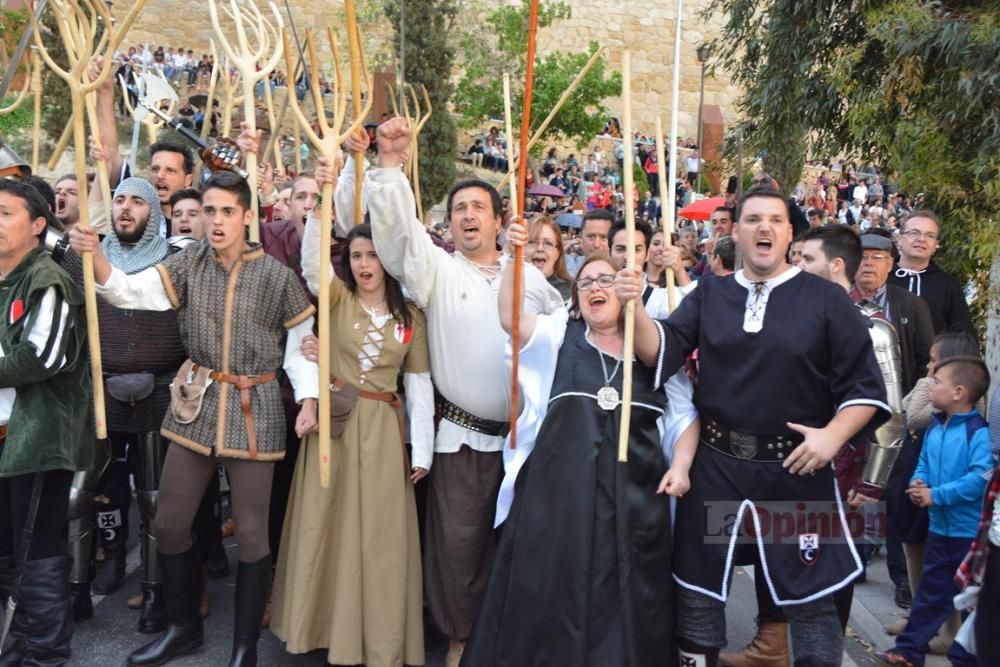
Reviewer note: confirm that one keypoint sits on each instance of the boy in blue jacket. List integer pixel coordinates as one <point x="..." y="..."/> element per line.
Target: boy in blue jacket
<point x="950" y="479"/>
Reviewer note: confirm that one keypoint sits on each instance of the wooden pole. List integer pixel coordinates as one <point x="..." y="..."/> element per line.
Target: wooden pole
<point x="78" y="33"/>
<point x="103" y="177"/>
<point x="522" y="172"/>
<point x="206" y="122"/>
<point x="328" y="146"/>
<point x="629" y="343"/>
<point x="508" y="128"/>
<point x="354" y="43"/>
<point x="254" y="65"/>
<point x="667" y="238"/>
<point x="272" y="121"/>
<point x="60" y="147"/>
<point x="674" y="102"/>
<point x="558" y="106"/>
<point x="36" y="85"/>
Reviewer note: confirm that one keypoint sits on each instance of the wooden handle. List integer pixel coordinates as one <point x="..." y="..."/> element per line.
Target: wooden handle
<point x="103" y="177"/>
<point x="325" y="238"/>
<point x="89" y="294"/>
<point x="667" y="240"/>
<point x="629" y="342"/>
<point x="353" y="40"/>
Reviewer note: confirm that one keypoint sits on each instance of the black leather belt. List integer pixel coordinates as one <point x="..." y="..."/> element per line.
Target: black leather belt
<point x="746" y="446"/>
<point x="466" y="419"/>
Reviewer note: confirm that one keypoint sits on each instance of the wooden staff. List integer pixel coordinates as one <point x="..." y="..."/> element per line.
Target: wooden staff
<point x="21" y="96"/>
<point x="559" y="105"/>
<point x="328" y="146"/>
<point x="667" y="227"/>
<point x="354" y="42"/>
<point x="629" y="344"/>
<point x="206" y="122"/>
<point x="417" y="122"/>
<point x="78" y="31"/>
<point x="36" y="85"/>
<point x="246" y="60"/>
<point x="60" y="147"/>
<point x="674" y="101"/>
<point x="230" y="99"/>
<point x="508" y="128"/>
<point x="522" y="172"/>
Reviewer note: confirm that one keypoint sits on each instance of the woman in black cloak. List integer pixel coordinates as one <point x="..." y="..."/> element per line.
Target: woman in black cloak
<point x="583" y="570"/>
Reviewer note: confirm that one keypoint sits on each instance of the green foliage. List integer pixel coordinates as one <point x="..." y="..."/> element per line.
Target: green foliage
<point x="16" y="120"/>
<point x="910" y="85"/>
<point x="429" y="59"/>
<point x="502" y="47"/>
<point x="640" y="180"/>
<point x="57" y="110"/>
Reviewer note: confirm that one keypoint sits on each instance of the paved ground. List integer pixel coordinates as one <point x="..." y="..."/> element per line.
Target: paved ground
<point x="107" y="639"/>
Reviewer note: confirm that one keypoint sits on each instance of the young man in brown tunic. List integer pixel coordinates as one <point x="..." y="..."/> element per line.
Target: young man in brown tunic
<point x="235" y="304"/>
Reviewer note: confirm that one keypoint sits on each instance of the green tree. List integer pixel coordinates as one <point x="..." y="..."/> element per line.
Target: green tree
<point x="503" y="47"/>
<point x="910" y="85"/>
<point x="429" y="59"/>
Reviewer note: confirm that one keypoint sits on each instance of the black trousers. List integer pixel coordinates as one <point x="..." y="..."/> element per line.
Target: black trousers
<point x="50" y="526"/>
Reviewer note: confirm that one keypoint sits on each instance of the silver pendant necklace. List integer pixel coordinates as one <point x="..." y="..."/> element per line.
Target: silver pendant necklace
<point x="607" y="396"/>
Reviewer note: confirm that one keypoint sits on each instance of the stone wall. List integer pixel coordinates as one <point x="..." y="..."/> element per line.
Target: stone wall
<point x="645" y="28"/>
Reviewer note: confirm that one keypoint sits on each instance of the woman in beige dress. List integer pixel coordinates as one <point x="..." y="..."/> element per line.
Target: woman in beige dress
<point x="348" y="577"/>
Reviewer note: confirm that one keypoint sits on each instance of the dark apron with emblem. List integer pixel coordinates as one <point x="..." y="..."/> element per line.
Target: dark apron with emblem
<point x="735" y="505"/>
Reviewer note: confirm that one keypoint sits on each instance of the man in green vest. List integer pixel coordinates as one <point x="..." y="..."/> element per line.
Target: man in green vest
<point x="46" y="428"/>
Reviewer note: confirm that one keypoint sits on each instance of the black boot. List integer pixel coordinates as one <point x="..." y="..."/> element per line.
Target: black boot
<point x="153" y="618"/>
<point x="7" y="569"/>
<point x="182" y="592"/>
<point x="43" y="623"/>
<point x="113" y="525"/>
<point x="83" y="606"/>
<point x="13" y="653"/>
<point x="691" y="654"/>
<point x="253" y="583"/>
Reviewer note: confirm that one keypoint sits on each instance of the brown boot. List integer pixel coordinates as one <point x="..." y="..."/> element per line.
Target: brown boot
<point x="769" y="648"/>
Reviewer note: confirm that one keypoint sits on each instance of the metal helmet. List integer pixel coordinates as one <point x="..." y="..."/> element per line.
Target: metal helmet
<point x="11" y="164"/>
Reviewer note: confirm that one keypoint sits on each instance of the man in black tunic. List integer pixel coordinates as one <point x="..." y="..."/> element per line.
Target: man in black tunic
<point x="786" y="376"/>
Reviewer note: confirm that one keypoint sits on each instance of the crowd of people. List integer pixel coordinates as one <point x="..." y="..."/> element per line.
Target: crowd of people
<point x="784" y="365"/>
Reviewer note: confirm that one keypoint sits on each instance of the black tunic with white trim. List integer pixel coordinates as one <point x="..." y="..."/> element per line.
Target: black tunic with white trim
<point x="791" y="349"/>
<point x="582" y="572"/>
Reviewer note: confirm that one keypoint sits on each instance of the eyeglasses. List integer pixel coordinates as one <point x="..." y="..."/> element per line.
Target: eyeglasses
<point x="604" y="280"/>
<point x="546" y="244"/>
<point x="914" y="234"/>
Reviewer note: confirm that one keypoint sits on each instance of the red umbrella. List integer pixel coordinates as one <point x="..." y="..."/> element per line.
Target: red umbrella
<point x="702" y="209"/>
<point x="545" y="190"/>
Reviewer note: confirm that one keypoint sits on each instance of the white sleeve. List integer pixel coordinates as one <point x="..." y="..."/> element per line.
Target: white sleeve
<point x="680" y="410"/>
<point x="540" y="297"/>
<point x="343" y="198"/>
<point x="420" y="409"/>
<point x="310" y="255"/>
<point x="303" y="374"/>
<point x="49" y="329"/>
<point x="139" y="291"/>
<point x="538" y="360"/>
<point x="402" y="243"/>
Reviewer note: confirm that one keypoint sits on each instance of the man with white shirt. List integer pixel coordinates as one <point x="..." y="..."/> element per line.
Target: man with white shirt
<point x="459" y="295"/>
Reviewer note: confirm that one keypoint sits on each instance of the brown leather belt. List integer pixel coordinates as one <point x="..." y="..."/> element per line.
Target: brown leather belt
<point x="3" y="432"/>
<point x="245" y="383"/>
<point x="396" y="404"/>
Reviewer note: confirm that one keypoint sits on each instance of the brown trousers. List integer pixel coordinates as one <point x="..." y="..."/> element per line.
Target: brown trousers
<point x="460" y="543"/>
<point x="186" y="475"/>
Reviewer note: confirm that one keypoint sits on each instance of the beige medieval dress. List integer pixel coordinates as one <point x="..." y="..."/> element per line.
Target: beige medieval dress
<point x="349" y="573"/>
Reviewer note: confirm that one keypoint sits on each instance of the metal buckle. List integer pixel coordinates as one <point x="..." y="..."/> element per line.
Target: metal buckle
<point x="744" y="446"/>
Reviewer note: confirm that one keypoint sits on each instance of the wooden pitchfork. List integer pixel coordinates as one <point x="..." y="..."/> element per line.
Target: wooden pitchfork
<point x="78" y="22"/>
<point x="253" y="64"/>
<point x="327" y="143"/>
